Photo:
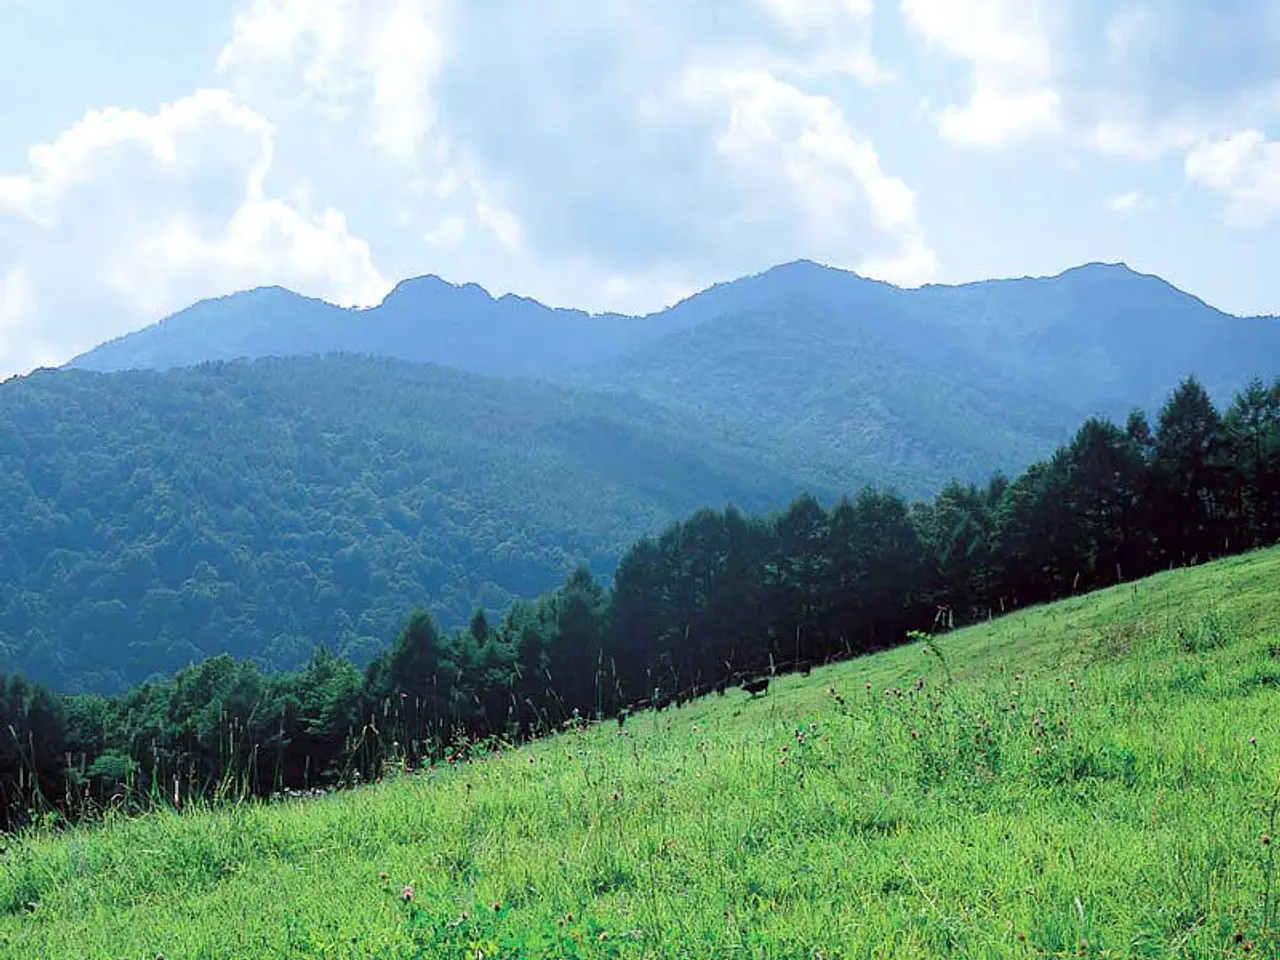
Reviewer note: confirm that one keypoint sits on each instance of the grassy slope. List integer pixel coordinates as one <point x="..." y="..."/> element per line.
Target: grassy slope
<point x="1134" y="832"/>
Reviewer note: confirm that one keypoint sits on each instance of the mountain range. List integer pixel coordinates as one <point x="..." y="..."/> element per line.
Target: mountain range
<point x="851" y="379"/>
<point x="262" y="472"/>
<point x="1098" y="333"/>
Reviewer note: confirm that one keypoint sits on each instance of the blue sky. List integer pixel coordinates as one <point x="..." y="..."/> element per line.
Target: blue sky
<point x="619" y="154"/>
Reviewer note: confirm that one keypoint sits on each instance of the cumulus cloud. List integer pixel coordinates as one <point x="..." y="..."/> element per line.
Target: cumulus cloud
<point x="1137" y="77"/>
<point x="562" y="149"/>
<point x="1245" y="169"/>
<point x="1135" y="80"/>
<point x="384" y="51"/>
<point x="1007" y="47"/>
<point x="774" y="135"/>
<point x="127" y="216"/>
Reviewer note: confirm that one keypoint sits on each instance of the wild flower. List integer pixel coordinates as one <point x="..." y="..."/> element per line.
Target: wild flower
<point x="407" y="894"/>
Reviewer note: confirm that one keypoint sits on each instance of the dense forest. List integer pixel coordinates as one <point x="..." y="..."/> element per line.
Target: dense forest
<point x="716" y="598"/>
<point x="151" y="520"/>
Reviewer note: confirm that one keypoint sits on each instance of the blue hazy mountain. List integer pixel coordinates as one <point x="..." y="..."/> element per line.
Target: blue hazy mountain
<point x="847" y="377"/>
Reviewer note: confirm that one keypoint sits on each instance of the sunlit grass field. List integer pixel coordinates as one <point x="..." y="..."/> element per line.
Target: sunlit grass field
<point x="1097" y="781"/>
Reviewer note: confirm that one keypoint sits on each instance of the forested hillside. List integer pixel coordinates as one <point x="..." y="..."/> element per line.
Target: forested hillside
<point x="148" y="520"/>
<point x="717" y="597"/>
<point x="831" y="393"/>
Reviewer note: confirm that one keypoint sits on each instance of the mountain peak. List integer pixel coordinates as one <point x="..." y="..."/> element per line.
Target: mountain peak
<point x="431" y="286"/>
<point x="1098" y="268"/>
<point x="804" y="268"/>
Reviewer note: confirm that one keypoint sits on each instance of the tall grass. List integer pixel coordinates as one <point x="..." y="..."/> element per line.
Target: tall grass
<point x="1099" y="779"/>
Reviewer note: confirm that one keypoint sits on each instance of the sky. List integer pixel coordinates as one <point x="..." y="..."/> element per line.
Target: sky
<point x="620" y="154"/>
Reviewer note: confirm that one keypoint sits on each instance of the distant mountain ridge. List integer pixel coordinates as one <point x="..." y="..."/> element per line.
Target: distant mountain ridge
<point x="1087" y="329"/>
<point x="423" y="320"/>
<point x="844" y="376"/>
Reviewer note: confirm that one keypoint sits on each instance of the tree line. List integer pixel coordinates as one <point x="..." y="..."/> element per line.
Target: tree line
<point x="716" y="599"/>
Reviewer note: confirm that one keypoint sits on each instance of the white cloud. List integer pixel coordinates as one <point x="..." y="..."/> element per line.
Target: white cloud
<point x="1245" y="169"/>
<point x="797" y="147"/>
<point x="1135" y="80"/>
<point x="127" y="216"/>
<point x="1007" y="47"/>
<point x="563" y="146"/>
<point x="376" y="63"/>
<point x="386" y="51"/>
<point x="913" y="266"/>
<point x="994" y="115"/>
<point x="1132" y="200"/>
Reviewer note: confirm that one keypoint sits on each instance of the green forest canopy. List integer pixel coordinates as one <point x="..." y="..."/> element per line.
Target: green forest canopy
<point x="715" y="598"/>
<point x="150" y="520"/>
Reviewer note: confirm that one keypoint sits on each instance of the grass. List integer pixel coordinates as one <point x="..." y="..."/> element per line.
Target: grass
<point x="1097" y="782"/>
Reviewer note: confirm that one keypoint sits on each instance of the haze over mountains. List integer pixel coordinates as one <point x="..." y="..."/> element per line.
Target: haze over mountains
<point x="305" y="494"/>
<point x="856" y="378"/>
<point x="1098" y="332"/>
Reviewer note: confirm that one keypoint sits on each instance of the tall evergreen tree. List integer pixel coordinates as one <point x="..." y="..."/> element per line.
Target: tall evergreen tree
<point x="1192" y="496"/>
<point x="1251" y="430"/>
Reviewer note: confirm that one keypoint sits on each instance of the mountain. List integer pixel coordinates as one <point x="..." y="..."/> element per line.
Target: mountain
<point x="1095" y="335"/>
<point x="845" y="374"/>
<point x="424" y="320"/>
<point x="919" y="386"/>
<point x="1098" y="336"/>
<point x="148" y="519"/>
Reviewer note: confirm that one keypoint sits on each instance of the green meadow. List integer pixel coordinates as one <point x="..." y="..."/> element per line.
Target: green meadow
<point x="1094" y="778"/>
